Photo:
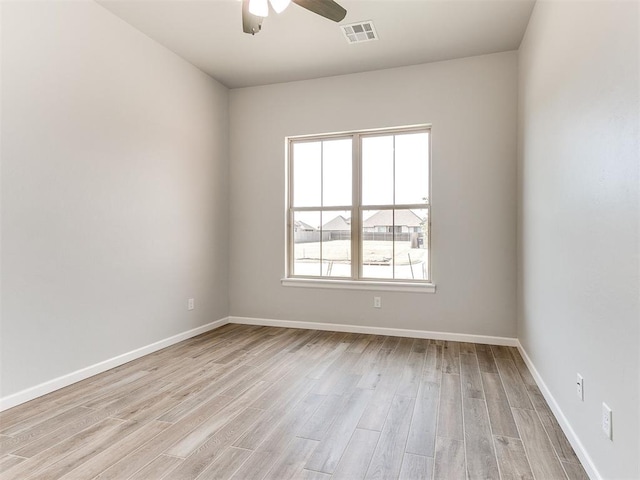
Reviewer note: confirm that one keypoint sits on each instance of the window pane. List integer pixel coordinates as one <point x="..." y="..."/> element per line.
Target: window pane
<point x="377" y="170"/>
<point x="410" y="244"/>
<point x="306" y="174"/>
<point x="336" y="244"/>
<point x="377" y="243"/>
<point x="306" y="243"/>
<point x="336" y="172"/>
<point x="411" y="162"/>
<point x="393" y="241"/>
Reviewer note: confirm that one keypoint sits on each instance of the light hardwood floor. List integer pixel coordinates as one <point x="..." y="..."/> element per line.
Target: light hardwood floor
<point x="248" y="402"/>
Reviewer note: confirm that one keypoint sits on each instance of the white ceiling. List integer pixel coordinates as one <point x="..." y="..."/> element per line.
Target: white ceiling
<point x="298" y="44"/>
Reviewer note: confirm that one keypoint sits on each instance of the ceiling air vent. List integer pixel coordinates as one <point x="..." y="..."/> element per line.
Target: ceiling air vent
<point x="359" y="32"/>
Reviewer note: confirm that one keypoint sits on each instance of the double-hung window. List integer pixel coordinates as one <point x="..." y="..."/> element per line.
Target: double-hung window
<point x="359" y="206"/>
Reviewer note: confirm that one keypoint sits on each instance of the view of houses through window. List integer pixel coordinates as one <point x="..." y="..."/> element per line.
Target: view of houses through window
<point x="376" y="227"/>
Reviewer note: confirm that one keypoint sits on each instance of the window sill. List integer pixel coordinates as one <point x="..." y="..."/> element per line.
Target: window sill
<point x="359" y="285"/>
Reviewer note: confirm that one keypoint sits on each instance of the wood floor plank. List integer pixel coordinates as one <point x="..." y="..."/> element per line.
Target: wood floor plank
<point x="422" y="432"/>
<point x="215" y="445"/>
<point x="500" y="351"/>
<point x="158" y="469"/>
<point x="374" y="416"/>
<point x="470" y="377"/>
<point x="279" y="437"/>
<point x="311" y="475"/>
<point x="538" y="400"/>
<point x="432" y="370"/>
<point x="8" y="461"/>
<point x="356" y="458"/>
<point x="513" y="384"/>
<point x="339" y="379"/>
<point x="326" y="456"/>
<point x="268" y="371"/>
<point x="320" y="422"/>
<point x="133" y="382"/>
<point x="479" y="449"/>
<point x="113" y="452"/>
<point x="450" y="410"/>
<point x="416" y="467"/>
<point x="500" y="416"/>
<point x="294" y="383"/>
<point x="129" y="404"/>
<point x="131" y="407"/>
<point x="275" y="345"/>
<point x="512" y="459"/>
<point x="388" y="455"/>
<point x="9" y="444"/>
<point x="90" y="451"/>
<point x="296" y="407"/>
<point x="575" y="471"/>
<point x="26" y="424"/>
<point x="225" y="465"/>
<point x="369" y="355"/>
<point x="359" y="343"/>
<point x="561" y="445"/>
<point x="451" y="358"/>
<point x="47" y="441"/>
<point x="192" y="441"/>
<point x="56" y="453"/>
<point x="467" y="348"/>
<point x="150" y="450"/>
<point x="13" y="416"/>
<point x="411" y="375"/>
<point x="199" y="393"/>
<point x="485" y="359"/>
<point x="540" y="452"/>
<point x="291" y="463"/>
<point x="449" y="461"/>
<point x="304" y="341"/>
<point x="255" y="466"/>
<point x="379" y="364"/>
<point x="527" y="378"/>
<point x="420" y="345"/>
<point x="324" y="364"/>
<point x="161" y="405"/>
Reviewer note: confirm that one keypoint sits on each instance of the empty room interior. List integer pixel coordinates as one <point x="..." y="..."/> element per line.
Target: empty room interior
<point x="307" y="239"/>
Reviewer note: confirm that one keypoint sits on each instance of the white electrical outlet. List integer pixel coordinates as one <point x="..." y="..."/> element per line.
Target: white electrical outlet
<point x="580" y="388"/>
<point x="606" y="420"/>
<point x="191" y="304"/>
<point x="377" y="302"/>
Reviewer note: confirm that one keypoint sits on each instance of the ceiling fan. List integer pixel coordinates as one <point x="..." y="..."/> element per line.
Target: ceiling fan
<point x="254" y="11"/>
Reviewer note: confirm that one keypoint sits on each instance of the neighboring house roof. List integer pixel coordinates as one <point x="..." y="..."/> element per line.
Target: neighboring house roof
<point x="384" y="218"/>
<point x="303" y="226"/>
<point x="339" y="224"/>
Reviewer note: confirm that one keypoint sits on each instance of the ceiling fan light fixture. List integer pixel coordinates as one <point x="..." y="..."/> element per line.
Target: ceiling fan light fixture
<point x="259" y="8"/>
<point x="280" y="5"/>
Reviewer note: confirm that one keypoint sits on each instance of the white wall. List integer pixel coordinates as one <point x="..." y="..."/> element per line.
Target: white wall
<point x="579" y="217"/>
<point x="472" y="105"/>
<point x="114" y="191"/>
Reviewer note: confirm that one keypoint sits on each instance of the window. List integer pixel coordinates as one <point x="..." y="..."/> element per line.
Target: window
<point x="359" y="206"/>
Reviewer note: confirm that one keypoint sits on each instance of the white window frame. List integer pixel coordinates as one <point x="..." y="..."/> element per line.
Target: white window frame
<point x="356" y="281"/>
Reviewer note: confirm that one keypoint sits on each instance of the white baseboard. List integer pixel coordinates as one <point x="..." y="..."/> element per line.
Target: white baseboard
<point x="73" y="377"/>
<point x="575" y="442"/>
<point x="392" y="332"/>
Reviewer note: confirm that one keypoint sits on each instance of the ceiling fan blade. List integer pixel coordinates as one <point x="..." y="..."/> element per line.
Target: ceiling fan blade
<point x="325" y="8"/>
<point x="250" y="23"/>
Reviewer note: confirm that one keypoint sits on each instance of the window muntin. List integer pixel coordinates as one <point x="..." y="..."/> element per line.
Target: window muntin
<point x="359" y="206"/>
